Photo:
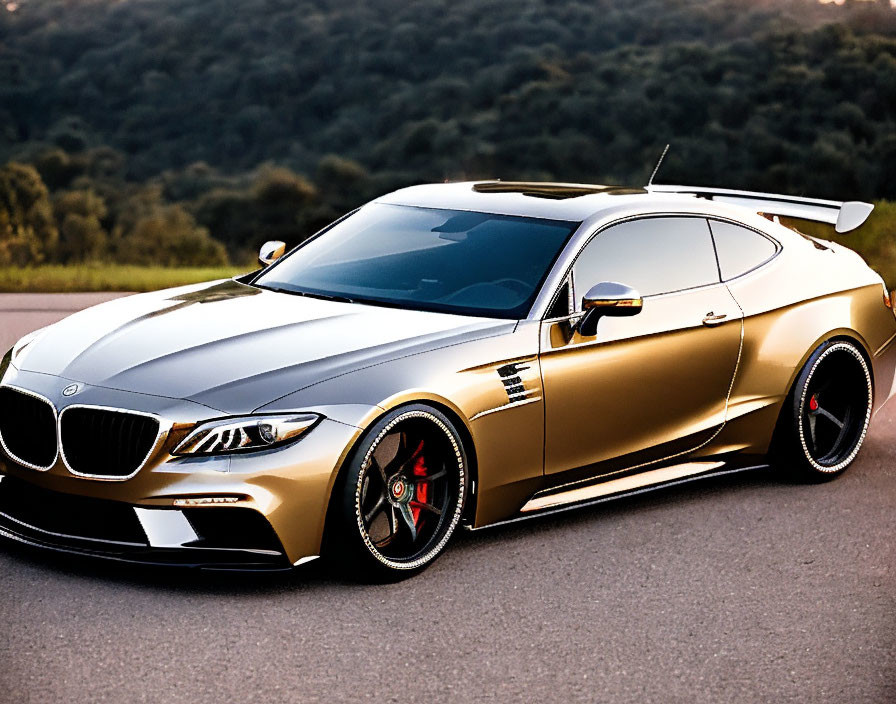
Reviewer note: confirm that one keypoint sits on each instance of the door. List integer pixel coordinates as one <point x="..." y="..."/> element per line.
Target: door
<point x="649" y="386"/>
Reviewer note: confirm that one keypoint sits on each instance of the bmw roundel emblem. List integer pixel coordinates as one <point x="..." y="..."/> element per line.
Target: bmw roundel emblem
<point x="71" y="389"/>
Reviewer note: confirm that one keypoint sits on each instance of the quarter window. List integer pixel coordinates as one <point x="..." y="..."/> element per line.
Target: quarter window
<point x="739" y="248"/>
<point x="652" y="255"/>
<point x="560" y="307"/>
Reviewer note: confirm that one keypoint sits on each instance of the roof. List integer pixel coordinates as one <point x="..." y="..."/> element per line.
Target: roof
<point x="555" y="201"/>
<point x="577" y="202"/>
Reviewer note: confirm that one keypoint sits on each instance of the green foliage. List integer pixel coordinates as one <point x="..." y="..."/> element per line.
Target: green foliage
<point x="170" y="237"/>
<point x="81" y="234"/>
<point x="163" y="128"/>
<point x="279" y="199"/>
<point x="27" y="230"/>
<point x="790" y="91"/>
<point x="275" y="204"/>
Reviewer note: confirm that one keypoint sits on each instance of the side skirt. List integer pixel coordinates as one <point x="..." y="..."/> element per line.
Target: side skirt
<point x="546" y="503"/>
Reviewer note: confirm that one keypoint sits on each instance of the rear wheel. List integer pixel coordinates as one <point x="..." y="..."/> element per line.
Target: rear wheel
<point x="829" y="410"/>
<point x="401" y="497"/>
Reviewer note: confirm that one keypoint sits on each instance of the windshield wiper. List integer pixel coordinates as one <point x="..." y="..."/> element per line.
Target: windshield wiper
<point x="308" y="294"/>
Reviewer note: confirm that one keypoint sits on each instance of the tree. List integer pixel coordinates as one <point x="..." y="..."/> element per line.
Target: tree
<point x="266" y="119"/>
<point x="171" y="237"/>
<point x="82" y="236"/>
<point x="342" y="182"/>
<point x="229" y="214"/>
<point x="286" y="206"/>
<point x="28" y="233"/>
<point x="57" y="168"/>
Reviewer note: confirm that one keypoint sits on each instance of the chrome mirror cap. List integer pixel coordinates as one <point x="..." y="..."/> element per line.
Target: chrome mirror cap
<point x="610" y="294"/>
<point x="608" y="298"/>
<point x="270" y="252"/>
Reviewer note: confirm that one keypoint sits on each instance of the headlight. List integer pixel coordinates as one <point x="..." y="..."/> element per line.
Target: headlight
<point x="246" y="433"/>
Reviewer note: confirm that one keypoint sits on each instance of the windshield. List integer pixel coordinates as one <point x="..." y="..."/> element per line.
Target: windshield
<point x="427" y="259"/>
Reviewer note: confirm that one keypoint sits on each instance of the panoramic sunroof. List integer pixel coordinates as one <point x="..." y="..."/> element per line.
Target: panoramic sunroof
<point x="553" y="191"/>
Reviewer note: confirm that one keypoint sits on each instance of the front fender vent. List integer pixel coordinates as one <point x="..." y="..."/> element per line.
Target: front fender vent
<point x="512" y="378"/>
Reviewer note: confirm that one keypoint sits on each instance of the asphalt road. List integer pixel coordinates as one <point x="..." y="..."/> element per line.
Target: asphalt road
<point x="742" y="589"/>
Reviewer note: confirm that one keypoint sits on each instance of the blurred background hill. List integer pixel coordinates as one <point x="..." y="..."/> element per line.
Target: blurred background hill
<point x="175" y="132"/>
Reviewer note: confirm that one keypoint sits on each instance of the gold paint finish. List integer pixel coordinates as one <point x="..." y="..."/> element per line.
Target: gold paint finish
<point x="641" y="381"/>
<point x="547" y="415"/>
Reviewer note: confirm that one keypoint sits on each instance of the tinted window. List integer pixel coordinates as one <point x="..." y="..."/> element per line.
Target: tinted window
<point x="740" y="249"/>
<point x="427" y="259"/>
<point x="653" y="255"/>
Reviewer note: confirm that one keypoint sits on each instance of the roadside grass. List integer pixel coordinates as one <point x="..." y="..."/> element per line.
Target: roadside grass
<point x="56" y="278"/>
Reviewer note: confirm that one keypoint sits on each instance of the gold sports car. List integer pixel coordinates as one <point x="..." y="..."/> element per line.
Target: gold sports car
<point x="446" y="355"/>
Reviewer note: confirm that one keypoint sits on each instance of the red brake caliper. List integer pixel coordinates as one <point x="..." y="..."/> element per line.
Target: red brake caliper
<point x="813" y="403"/>
<point x="419" y="470"/>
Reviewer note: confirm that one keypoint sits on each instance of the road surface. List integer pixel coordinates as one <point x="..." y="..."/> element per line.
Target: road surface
<point x="743" y="589"/>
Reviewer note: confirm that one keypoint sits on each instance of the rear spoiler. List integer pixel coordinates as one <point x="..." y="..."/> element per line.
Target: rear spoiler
<point x="845" y="217"/>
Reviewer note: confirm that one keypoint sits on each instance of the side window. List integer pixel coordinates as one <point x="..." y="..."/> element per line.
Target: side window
<point x="740" y="249"/>
<point x="653" y="255"/>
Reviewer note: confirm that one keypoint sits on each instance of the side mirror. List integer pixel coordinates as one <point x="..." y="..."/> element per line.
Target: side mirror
<point x="608" y="298"/>
<point x="271" y="252"/>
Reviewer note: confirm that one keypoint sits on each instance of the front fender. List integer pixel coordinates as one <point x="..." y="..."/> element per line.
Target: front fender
<point x="466" y="380"/>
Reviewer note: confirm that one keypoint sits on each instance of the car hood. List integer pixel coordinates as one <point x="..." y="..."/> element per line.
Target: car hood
<point x="234" y="347"/>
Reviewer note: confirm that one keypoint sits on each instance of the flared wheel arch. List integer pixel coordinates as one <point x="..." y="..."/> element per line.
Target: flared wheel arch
<point x="780" y="430"/>
<point x="466" y="438"/>
<point x="838" y="336"/>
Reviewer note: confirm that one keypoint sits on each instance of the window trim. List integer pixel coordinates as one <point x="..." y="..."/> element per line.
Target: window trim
<point x="778" y="246"/>
<point x="567" y="274"/>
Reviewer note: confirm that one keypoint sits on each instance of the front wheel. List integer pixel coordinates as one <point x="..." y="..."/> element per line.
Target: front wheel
<point x="826" y="416"/>
<point x="401" y="497"/>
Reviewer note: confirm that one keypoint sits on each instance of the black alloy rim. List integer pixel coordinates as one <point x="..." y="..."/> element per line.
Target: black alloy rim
<point x="835" y="409"/>
<point x="408" y="490"/>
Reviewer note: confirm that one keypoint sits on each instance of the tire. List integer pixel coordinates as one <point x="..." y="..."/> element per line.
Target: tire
<point x="400" y="498"/>
<point x="825" y="418"/>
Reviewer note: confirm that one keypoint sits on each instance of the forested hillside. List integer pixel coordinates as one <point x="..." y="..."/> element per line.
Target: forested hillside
<point x="160" y="130"/>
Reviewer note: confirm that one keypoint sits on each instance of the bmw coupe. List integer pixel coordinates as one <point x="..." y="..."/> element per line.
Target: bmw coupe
<point x="447" y="355"/>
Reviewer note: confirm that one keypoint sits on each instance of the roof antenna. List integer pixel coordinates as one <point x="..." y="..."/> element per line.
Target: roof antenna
<point x="658" y="165"/>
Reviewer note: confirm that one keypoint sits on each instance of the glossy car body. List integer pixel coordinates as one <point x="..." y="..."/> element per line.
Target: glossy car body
<point x="693" y="384"/>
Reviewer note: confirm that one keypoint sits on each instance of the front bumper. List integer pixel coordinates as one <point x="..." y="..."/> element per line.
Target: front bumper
<point x="284" y="491"/>
<point x="241" y="539"/>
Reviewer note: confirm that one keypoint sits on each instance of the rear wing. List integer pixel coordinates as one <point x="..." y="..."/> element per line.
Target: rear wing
<point x="845" y="217"/>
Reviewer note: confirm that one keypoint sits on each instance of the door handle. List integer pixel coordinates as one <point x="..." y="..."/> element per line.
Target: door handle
<point x="713" y="319"/>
